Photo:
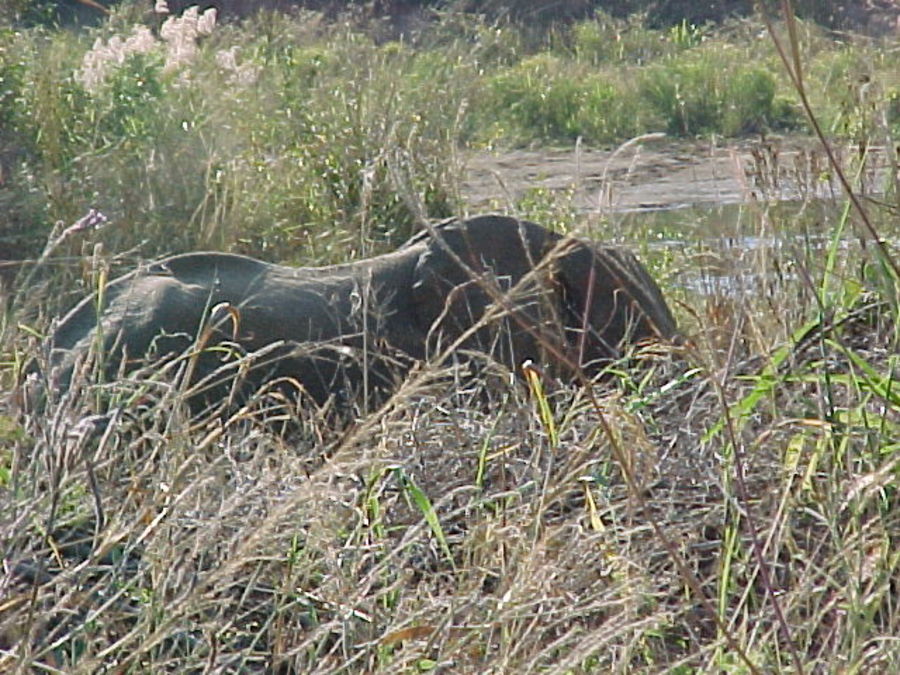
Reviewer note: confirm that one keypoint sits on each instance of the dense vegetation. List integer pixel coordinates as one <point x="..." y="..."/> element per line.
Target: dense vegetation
<point x="842" y="14"/>
<point x="729" y="507"/>
<point x="261" y="135"/>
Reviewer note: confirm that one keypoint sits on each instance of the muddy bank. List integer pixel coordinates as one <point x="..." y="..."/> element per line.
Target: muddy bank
<point x="664" y="174"/>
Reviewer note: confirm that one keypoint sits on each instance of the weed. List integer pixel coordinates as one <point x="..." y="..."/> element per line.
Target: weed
<point x="605" y="40"/>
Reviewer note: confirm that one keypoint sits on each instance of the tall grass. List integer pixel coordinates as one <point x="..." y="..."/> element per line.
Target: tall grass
<point x="265" y="136"/>
<point x="732" y="509"/>
<point x="263" y="141"/>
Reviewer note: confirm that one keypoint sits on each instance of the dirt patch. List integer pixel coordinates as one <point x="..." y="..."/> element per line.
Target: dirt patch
<point x="663" y="174"/>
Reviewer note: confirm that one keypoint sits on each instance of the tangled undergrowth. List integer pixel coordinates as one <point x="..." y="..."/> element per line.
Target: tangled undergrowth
<point x="731" y="506"/>
<point x="649" y="526"/>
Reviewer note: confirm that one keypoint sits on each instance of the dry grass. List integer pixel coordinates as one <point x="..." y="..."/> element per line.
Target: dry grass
<point x="731" y="507"/>
<point x="453" y="530"/>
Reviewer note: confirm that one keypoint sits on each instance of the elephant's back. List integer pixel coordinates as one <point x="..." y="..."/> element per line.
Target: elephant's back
<point x="491" y="233"/>
<point x="200" y="269"/>
<point x="201" y="266"/>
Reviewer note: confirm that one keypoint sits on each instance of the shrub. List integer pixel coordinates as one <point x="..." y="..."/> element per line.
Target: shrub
<point x="547" y="97"/>
<point x="359" y="147"/>
<point x="21" y="205"/>
<point x="290" y="137"/>
<point x="696" y="94"/>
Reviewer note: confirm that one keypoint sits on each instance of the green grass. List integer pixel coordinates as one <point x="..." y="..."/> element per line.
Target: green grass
<point x="298" y="140"/>
<point x="734" y="509"/>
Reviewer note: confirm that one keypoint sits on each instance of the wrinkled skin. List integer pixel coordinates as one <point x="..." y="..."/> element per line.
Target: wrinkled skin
<point x="354" y="329"/>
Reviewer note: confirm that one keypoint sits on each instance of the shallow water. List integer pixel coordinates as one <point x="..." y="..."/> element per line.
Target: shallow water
<point x="733" y="249"/>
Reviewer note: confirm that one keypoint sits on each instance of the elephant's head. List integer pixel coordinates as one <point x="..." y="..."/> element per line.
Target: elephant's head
<point x="550" y="298"/>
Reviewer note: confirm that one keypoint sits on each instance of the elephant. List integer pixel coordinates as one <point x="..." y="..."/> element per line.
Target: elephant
<point x="494" y="284"/>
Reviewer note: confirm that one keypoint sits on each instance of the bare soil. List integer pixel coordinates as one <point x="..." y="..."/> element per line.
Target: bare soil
<point x="663" y="174"/>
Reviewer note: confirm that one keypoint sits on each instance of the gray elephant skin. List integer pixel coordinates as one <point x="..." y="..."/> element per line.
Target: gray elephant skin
<point x="492" y="284"/>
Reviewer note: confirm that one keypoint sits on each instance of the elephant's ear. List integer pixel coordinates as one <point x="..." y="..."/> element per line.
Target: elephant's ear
<point x="449" y="285"/>
<point x="609" y="299"/>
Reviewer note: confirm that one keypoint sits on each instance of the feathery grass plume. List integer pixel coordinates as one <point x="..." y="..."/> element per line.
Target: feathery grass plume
<point x="105" y="56"/>
<point x="242" y="74"/>
<point x="181" y="34"/>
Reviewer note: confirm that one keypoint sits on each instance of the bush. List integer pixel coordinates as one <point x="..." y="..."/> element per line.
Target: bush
<point x="291" y="138"/>
<point x="697" y="94"/>
<point x="547" y="97"/>
<point x="356" y="148"/>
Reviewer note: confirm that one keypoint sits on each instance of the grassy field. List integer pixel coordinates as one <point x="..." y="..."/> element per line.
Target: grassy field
<point x="729" y="507"/>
